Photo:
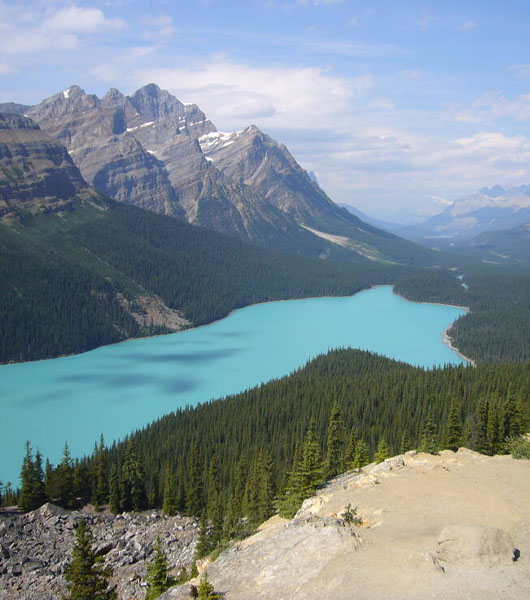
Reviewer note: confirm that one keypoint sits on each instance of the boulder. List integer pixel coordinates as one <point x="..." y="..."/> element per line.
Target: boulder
<point x="475" y="546"/>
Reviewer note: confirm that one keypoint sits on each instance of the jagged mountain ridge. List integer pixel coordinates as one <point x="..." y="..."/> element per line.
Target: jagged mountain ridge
<point x="152" y="150"/>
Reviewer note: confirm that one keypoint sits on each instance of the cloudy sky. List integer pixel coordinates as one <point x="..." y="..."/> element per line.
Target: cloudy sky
<point x="396" y="106"/>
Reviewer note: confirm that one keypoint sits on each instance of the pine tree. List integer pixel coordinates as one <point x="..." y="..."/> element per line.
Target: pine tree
<point x="132" y="481"/>
<point x="406" y="444"/>
<point x="334" y="443"/>
<point x="429" y="442"/>
<point x="32" y="490"/>
<point x="383" y="451"/>
<point x="169" y="505"/>
<point x="157" y="573"/>
<point x="481" y="433"/>
<point x="205" y="590"/>
<point x="194" y="487"/>
<point x="454" y="427"/>
<point x="494" y="428"/>
<point x="101" y="491"/>
<point x="64" y="480"/>
<point x="204" y="546"/>
<point x="310" y="474"/>
<point x="86" y="577"/>
<point x="349" y="457"/>
<point x="362" y="456"/>
<point x="114" y="496"/>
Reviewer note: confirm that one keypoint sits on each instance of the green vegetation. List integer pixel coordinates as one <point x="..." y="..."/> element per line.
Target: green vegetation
<point x="518" y="447"/>
<point x="157" y="574"/>
<point x="85" y="576"/>
<point x="65" y="278"/>
<point x="233" y="462"/>
<point x="499" y="300"/>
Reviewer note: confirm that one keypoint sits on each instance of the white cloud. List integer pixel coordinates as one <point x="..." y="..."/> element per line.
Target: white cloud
<point x="318" y="2"/>
<point x="27" y="32"/>
<point x="494" y="105"/>
<point x="76" y="19"/>
<point x="283" y="97"/>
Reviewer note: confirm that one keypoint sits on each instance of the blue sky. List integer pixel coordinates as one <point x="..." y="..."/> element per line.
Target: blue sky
<point x="391" y="103"/>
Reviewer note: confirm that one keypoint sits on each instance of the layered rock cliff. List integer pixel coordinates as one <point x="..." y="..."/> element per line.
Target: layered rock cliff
<point x="36" y="172"/>
<point x="152" y="150"/>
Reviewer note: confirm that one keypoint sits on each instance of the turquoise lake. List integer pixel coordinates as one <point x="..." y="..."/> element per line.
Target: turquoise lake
<point x="116" y="389"/>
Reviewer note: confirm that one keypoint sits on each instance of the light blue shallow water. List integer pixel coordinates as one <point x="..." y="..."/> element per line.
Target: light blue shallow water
<point x="116" y="389"/>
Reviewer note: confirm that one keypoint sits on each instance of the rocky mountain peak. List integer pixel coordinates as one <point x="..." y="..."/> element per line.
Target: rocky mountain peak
<point x="155" y="104"/>
<point x="69" y="101"/>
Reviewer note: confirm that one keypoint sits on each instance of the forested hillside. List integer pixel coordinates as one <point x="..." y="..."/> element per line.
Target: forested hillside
<point x="70" y="280"/>
<point x="496" y="329"/>
<point x="272" y="445"/>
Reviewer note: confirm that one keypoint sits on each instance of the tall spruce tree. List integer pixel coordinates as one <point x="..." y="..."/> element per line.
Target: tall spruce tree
<point x="86" y="578"/>
<point x="333" y="464"/>
<point x="115" y="488"/>
<point x="64" y="480"/>
<point x="429" y="439"/>
<point x="382" y="452"/>
<point x="194" y="484"/>
<point x="100" y="495"/>
<point x="132" y="481"/>
<point x="454" y="427"/>
<point x="32" y="490"/>
<point x="169" y="505"/>
<point x="362" y="455"/>
<point x="349" y="456"/>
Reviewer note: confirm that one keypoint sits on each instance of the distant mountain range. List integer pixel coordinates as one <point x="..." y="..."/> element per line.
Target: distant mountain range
<point x="151" y="150"/>
<point x="489" y="209"/>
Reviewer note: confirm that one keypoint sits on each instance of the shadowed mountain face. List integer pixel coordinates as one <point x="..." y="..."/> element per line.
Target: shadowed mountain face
<point x="151" y="150"/>
<point x="36" y="173"/>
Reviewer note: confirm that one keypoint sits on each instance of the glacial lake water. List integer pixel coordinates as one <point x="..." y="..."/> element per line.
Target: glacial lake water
<point x="119" y="388"/>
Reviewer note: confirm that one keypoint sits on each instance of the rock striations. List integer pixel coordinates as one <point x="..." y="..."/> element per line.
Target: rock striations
<point x="36" y="172"/>
<point x="36" y="547"/>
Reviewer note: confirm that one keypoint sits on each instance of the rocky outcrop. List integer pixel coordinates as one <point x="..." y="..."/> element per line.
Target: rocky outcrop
<point x="444" y="527"/>
<point x="36" y="172"/>
<point x="36" y="547"/>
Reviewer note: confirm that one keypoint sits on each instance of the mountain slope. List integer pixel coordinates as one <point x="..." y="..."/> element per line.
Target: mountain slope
<point x="151" y="150"/>
<point x="79" y="270"/>
<point x="489" y="209"/>
<point x="505" y="246"/>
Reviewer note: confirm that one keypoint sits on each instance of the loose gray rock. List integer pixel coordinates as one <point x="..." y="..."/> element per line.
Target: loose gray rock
<point x="36" y="547"/>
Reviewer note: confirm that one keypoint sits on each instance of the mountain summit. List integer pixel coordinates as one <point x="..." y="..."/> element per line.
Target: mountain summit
<point x="151" y="150"/>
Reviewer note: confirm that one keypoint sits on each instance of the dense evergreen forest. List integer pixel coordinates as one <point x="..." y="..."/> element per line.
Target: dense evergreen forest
<point x="65" y="279"/>
<point x="62" y="277"/>
<point x="233" y="461"/>
<point x="496" y="329"/>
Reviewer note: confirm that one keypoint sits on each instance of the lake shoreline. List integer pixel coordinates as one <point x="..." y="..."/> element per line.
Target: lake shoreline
<point x="446" y="337"/>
